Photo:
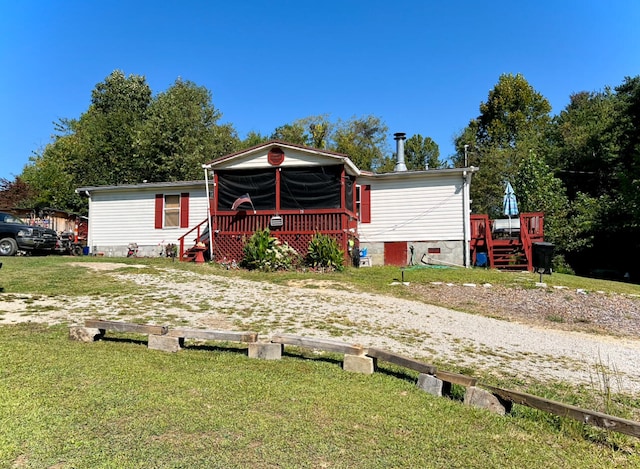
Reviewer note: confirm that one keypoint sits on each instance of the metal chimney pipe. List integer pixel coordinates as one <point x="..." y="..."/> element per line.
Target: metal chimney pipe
<point x="400" y="137"/>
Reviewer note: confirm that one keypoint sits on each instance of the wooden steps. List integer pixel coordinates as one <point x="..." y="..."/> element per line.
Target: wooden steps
<point x="189" y="256"/>
<point x="506" y="250"/>
<point x="509" y="254"/>
<point x="195" y="254"/>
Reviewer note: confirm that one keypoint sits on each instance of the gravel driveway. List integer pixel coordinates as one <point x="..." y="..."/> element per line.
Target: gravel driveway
<point x="502" y="345"/>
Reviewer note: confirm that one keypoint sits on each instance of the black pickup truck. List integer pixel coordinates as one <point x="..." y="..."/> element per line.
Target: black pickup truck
<point x="16" y="236"/>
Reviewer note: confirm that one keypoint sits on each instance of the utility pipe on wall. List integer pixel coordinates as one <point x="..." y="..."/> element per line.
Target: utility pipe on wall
<point x="466" y="210"/>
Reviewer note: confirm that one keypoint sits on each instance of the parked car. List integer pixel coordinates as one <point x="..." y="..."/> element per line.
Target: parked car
<point x="16" y="235"/>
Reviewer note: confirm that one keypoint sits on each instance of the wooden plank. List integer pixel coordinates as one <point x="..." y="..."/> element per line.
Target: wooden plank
<point x="126" y="327"/>
<point x="456" y="378"/>
<point x="318" y="344"/>
<point x="589" y="417"/>
<point x="400" y="360"/>
<point x="232" y="336"/>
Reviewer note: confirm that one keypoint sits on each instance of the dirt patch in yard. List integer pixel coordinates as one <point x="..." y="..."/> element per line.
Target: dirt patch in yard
<point x="541" y="333"/>
<point x="555" y="308"/>
<point x="105" y="266"/>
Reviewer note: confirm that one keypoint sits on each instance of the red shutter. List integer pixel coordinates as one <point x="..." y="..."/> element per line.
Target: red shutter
<point x="365" y="204"/>
<point x="159" y="210"/>
<point x="184" y="210"/>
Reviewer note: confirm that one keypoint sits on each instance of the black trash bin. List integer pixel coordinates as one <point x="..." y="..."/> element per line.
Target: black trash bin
<point x="542" y="256"/>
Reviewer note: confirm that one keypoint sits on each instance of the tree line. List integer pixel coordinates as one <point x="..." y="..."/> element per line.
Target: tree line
<point x="128" y="136"/>
<point x="580" y="167"/>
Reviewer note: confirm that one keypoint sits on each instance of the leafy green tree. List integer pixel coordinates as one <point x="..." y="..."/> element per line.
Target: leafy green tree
<point x="421" y="153"/>
<point x="319" y="130"/>
<point x="106" y="147"/>
<point x="538" y="190"/>
<point x="512" y="111"/>
<point x="180" y="133"/>
<point x="291" y="133"/>
<point x="119" y="92"/>
<point x="364" y="140"/>
<point x="253" y="139"/>
<point x="387" y="165"/>
<point x="593" y="153"/>
<point x="628" y="163"/>
<point x="513" y="122"/>
<point x="52" y="179"/>
<point x="586" y="143"/>
<point x="126" y="136"/>
<point x="312" y="131"/>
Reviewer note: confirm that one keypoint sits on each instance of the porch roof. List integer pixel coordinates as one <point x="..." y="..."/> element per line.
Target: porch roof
<point x="258" y="150"/>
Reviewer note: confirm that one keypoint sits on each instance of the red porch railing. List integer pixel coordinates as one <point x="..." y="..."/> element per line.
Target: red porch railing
<point x="507" y="251"/>
<point x="481" y="239"/>
<point x="230" y="230"/>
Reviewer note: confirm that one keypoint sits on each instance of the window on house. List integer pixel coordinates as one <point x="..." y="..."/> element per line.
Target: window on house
<point x="171" y="211"/>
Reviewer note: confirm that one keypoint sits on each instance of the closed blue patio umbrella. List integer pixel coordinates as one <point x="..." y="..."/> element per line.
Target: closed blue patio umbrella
<point x="510" y="204"/>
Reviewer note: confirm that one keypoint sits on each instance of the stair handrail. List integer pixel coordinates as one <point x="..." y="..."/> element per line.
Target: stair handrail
<point x="481" y="230"/>
<point x="489" y="240"/>
<point x="525" y="240"/>
<point x="197" y="230"/>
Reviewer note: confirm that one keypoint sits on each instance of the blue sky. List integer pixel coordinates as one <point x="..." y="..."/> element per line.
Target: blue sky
<point x="421" y="66"/>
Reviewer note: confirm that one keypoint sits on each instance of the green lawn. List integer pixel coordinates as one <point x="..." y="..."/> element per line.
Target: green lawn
<point x="116" y="404"/>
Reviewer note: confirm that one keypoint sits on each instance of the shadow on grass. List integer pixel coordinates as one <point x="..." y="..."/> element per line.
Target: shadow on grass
<point x="306" y="356"/>
<point x="124" y="340"/>
<point x="454" y="392"/>
<point x="215" y="348"/>
<point x="396" y="373"/>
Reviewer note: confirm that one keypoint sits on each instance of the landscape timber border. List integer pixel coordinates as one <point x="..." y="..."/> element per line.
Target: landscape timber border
<point x="360" y="359"/>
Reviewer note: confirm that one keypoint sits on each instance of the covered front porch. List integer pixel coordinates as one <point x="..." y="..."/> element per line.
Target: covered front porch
<point x="293" y="191"/>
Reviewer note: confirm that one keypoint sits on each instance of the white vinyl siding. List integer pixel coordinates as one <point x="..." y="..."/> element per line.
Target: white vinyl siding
<point x="414" y="209"/>
<point x="128" y="216"/>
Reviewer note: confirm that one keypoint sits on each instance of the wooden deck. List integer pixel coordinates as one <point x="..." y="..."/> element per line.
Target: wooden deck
<point x="504" y="248"/>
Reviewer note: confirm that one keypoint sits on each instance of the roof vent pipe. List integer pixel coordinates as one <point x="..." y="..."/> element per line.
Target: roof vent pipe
<point x="400" y="137"/>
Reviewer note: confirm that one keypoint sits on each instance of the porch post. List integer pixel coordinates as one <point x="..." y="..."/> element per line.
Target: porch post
<point x="206" y="188"/>
<point x="278" y="170"/>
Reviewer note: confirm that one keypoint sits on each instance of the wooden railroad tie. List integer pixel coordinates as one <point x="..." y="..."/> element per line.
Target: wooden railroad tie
<point x="117" y="326"/>
<point x="230" y="336"/>
<point x="589" y="417"/>
<point x="318" y="344"/>
<point x="400" y="360"/>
